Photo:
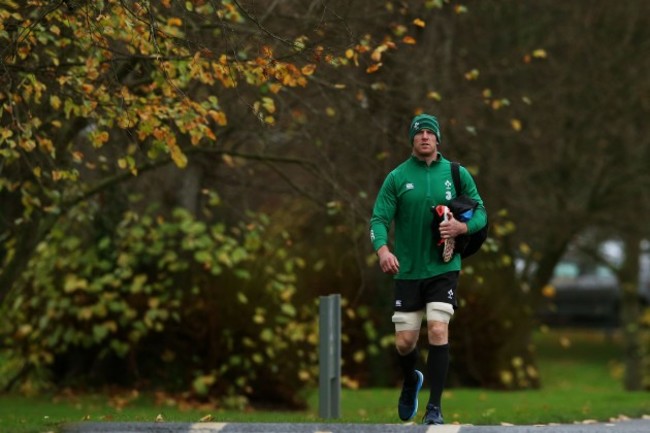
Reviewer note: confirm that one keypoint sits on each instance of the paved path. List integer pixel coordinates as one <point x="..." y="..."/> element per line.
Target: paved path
<point x="629" y="426"/>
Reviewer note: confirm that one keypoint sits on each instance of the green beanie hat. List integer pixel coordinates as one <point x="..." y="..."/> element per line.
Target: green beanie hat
<point x="424" y="121"/>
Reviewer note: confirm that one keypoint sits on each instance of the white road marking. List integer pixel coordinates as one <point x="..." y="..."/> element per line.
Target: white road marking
<point x="211" y="427"/>
<point x="446" y="428"/>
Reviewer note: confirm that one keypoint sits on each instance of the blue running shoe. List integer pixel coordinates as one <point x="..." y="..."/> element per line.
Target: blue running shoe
<point x="407" y="406"/>
<point x="433" y="415"/>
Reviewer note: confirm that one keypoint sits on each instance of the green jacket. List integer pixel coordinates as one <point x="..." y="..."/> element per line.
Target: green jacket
<point x="406" y="198"/>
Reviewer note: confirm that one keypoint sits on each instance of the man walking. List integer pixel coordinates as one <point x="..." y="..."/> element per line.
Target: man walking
<point x="424" y="283"/>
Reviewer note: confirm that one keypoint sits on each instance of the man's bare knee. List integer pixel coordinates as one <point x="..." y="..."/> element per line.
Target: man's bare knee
<point x="438" y="317"/>
<point x="405" y="341"/>
<point x="438" y="332"/>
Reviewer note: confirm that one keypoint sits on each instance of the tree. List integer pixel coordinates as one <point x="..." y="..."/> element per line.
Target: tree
<point x="94" y="92"/>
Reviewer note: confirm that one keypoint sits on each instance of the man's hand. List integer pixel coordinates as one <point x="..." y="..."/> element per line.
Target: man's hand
<point x="387" y="260"/>
<point x="452" y="227"/>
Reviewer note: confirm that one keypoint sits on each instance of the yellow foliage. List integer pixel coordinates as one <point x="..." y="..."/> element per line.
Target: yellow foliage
<point x="229" y="160"/>
<point x="46" y="145"/>
<point x="268" y="104"/>
<point x="420" y="23"/>
<point x="179" y="158"/>
<point x="539" y="54"/>
<point x="27" y="145"/>
<point x="548" y="291"/>
<point x="373" y="68"/>
<point x="472" y="75"/>
<point x="72" y="283"/>
<point x="506" y="377"/>
<point x="376" y="54"/>
<point x="55" y="102"/>
<point x="435" y="96"/>
<point x="517" y="362"/>
<point x="308" y="69"/>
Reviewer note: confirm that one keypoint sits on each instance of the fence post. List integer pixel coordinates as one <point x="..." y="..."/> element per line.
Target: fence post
<point x="329" y="328"/>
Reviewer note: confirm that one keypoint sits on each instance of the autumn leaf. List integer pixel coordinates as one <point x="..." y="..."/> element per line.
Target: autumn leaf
<point x="434" y="95"/>
<point x="55" y="102"/>
<point x="539" y="54"/>
<point x="516" y="124"/>
<point x="178" y="156"/>
<point x="98" y="139"/>
<point x="219" y="117"/>
<point x="472" y="75"/>
<point x="420" y="23"/>
<point x="373" y="68"/>
<point x="308" y="69"/>
<point x="409" y="40"/>
<point x="46" y="145"/>
<point x="229" y="160"/>
<point x="268" y="104"/>
<point x="376" y="54"/>
<point x="548" y="291"/>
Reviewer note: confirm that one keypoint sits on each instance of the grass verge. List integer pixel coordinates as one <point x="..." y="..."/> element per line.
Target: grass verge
<point x="581" y="372"/>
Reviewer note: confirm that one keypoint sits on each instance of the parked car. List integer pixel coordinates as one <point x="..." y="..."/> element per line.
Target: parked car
<point x="584" y="293"/>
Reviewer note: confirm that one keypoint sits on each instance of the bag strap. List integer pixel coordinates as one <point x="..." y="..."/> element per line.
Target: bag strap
<point x="455" y="175"/>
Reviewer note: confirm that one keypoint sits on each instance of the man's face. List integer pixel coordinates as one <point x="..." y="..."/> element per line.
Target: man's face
<point x="425" y="144"/>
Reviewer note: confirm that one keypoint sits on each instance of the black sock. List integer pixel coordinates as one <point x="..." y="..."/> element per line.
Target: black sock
<point x="407" y="362"/>
<point x="437" y="365"/>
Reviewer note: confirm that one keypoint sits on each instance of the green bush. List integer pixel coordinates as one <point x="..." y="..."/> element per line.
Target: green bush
<point x="174" y="303"/>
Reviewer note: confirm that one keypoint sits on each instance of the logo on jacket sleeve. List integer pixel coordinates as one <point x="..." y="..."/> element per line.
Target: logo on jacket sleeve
<point x="409" y="186"/>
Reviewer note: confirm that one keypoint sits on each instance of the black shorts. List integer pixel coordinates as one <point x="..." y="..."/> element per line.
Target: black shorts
<point x="414" y="295"/>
